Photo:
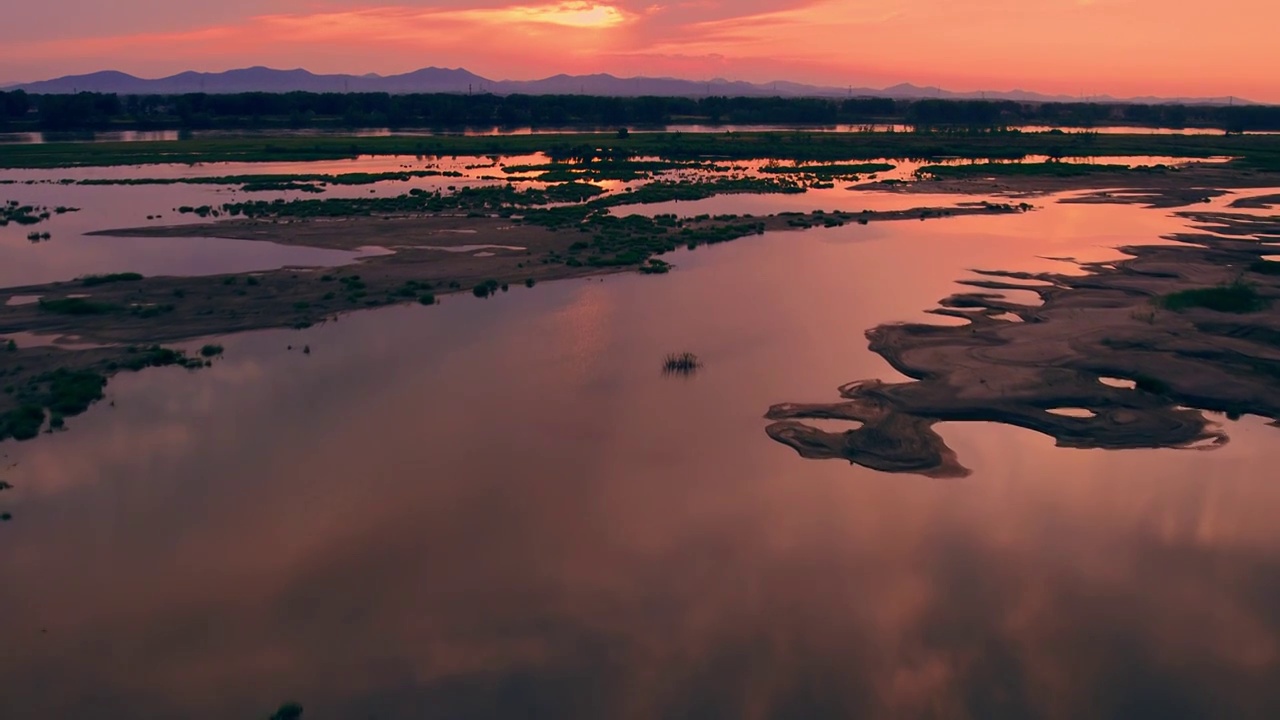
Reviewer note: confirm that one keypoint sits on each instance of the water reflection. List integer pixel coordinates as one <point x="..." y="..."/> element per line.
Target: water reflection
<point x="498" y="508"/>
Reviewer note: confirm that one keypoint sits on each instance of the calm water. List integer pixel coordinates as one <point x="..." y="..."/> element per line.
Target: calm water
<point x="501" y="508"/>
<point x="71" y="253"/>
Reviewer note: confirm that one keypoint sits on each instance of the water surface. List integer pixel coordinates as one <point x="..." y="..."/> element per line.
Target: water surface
<point x="502" y="508"/>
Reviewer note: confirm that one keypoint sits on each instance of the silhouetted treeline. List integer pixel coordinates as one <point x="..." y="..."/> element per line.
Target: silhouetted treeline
<point x="97" y="111"/>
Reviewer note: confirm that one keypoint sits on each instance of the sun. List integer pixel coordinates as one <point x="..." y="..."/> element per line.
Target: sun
<point x="571" y="14"/>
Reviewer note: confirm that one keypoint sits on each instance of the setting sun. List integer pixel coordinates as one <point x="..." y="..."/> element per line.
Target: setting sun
<point x="571" y="14"/>
<point x="1069" y="47"/>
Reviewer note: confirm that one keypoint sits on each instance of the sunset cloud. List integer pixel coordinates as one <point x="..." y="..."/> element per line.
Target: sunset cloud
<point x="1118" y="47"/>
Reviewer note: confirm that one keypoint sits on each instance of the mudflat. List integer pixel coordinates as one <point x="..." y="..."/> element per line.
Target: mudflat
<point x="1114" y="358"/>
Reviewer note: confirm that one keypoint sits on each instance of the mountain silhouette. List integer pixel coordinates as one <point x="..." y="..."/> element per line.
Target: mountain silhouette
<point x="459" y="80"/>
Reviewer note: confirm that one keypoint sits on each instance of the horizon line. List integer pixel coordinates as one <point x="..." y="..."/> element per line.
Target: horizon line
<point x="9" y="85"/>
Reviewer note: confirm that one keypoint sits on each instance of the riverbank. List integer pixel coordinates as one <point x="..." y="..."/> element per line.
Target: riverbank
<point x="1255" y="152"/>
<point x="430" y="256"/>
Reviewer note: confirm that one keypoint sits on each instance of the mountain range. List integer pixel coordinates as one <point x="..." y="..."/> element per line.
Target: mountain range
<point x="458" y="80"/>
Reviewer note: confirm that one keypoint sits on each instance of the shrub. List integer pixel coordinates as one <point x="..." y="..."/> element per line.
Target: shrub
<point x="78" y="306"/>
<point x="485" y="289"/>
<point x="684" y="363"/>
<point x="94" y="280"/>
<point x="1237" y="297"/>
<point x="1266" y="267"/>
<point x="22" y="423"/>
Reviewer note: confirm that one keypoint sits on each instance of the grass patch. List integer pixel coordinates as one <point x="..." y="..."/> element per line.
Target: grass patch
<point x="1265" y="267"/>
<point x="95" y="280"/>
<point x="1044" y="169"/>
<point x="685" y="363"/>
<point x="485" y="289"/>
<point x="1261" y="152"/>
<point x="65" y="392"/>
<point x="79" y="306"/>
<point x="1238" y="297"/>
<point x="656" y="267"/>
<point x="828" y="171"/>
<point x="1150" y="384"/>
<point x="22" y="423"/>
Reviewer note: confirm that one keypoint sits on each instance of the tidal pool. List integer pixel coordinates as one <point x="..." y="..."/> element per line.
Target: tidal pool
<point x="502" y="507"/>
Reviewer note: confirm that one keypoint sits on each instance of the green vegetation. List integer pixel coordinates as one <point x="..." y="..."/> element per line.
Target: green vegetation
<point x="94" y="280"/>
<point x="607" y="168"/>
<point x="11" y="211"/>
<point x="685" y="363"/>
<point x="655" y="267"/>
<point x="499" y="199"/>
<point x="685" y="190"/>
<point x="632" y="240"/>
<point x="1006" y="169"/>
<point x="485" y="289"/>
<point x="613" y="116"/>
<point x="1238" y="297"/>
<point x="79" y="306"/>
<point x="828" y="172"/>
<point x="209" y="351"/>
<point x="65" y="392"/>
<point x="137" y="358"/>
<point x="306" y="182"/>
<point x="1147" y="383"/>
<point x="287" y="711"/>
<point x="1257" y="151"/>
<point x="1265" y="267"/>
<point x="22" y="423"/>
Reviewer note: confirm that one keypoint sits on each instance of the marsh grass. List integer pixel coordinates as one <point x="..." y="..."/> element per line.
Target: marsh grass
<point x="1265" y="267"/>
<point x="95" y="280"/>
<point x="79" y="306"/>
<point x="1238" y="297"/>
<point x="685" y="363"/>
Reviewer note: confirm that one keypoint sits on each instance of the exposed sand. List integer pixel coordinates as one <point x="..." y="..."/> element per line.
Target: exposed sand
<point x="1098" y="326"/>
<point x="1174" y="187"/>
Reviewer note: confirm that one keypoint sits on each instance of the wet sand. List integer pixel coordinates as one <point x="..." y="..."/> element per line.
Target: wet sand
<point x="1018" y="364"/>
<point x="1168" y="188"/>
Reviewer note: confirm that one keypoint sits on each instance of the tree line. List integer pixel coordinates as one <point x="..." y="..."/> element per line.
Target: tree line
<point x="102" y="111"/>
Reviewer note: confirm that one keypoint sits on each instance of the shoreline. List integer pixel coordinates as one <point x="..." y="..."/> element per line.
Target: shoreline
<point x="484" y="240"/>
<point x="1116" y="358"/>
<point x="124" y="316"/>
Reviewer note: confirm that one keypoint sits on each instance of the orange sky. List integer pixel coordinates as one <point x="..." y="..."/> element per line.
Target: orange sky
<point x="1091" y="47"/>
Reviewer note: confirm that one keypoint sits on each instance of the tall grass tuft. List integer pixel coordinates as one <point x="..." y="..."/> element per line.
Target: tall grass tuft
<point x="685" y="363"/>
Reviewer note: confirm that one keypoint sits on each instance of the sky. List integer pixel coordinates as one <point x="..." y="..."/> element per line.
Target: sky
<point x="1123" y="48"/>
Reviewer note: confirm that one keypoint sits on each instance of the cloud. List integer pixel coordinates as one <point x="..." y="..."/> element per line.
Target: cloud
<point x="1120" y="47"/>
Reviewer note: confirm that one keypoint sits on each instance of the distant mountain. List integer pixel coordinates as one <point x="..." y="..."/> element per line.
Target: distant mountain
<point x="458" y="80"/>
